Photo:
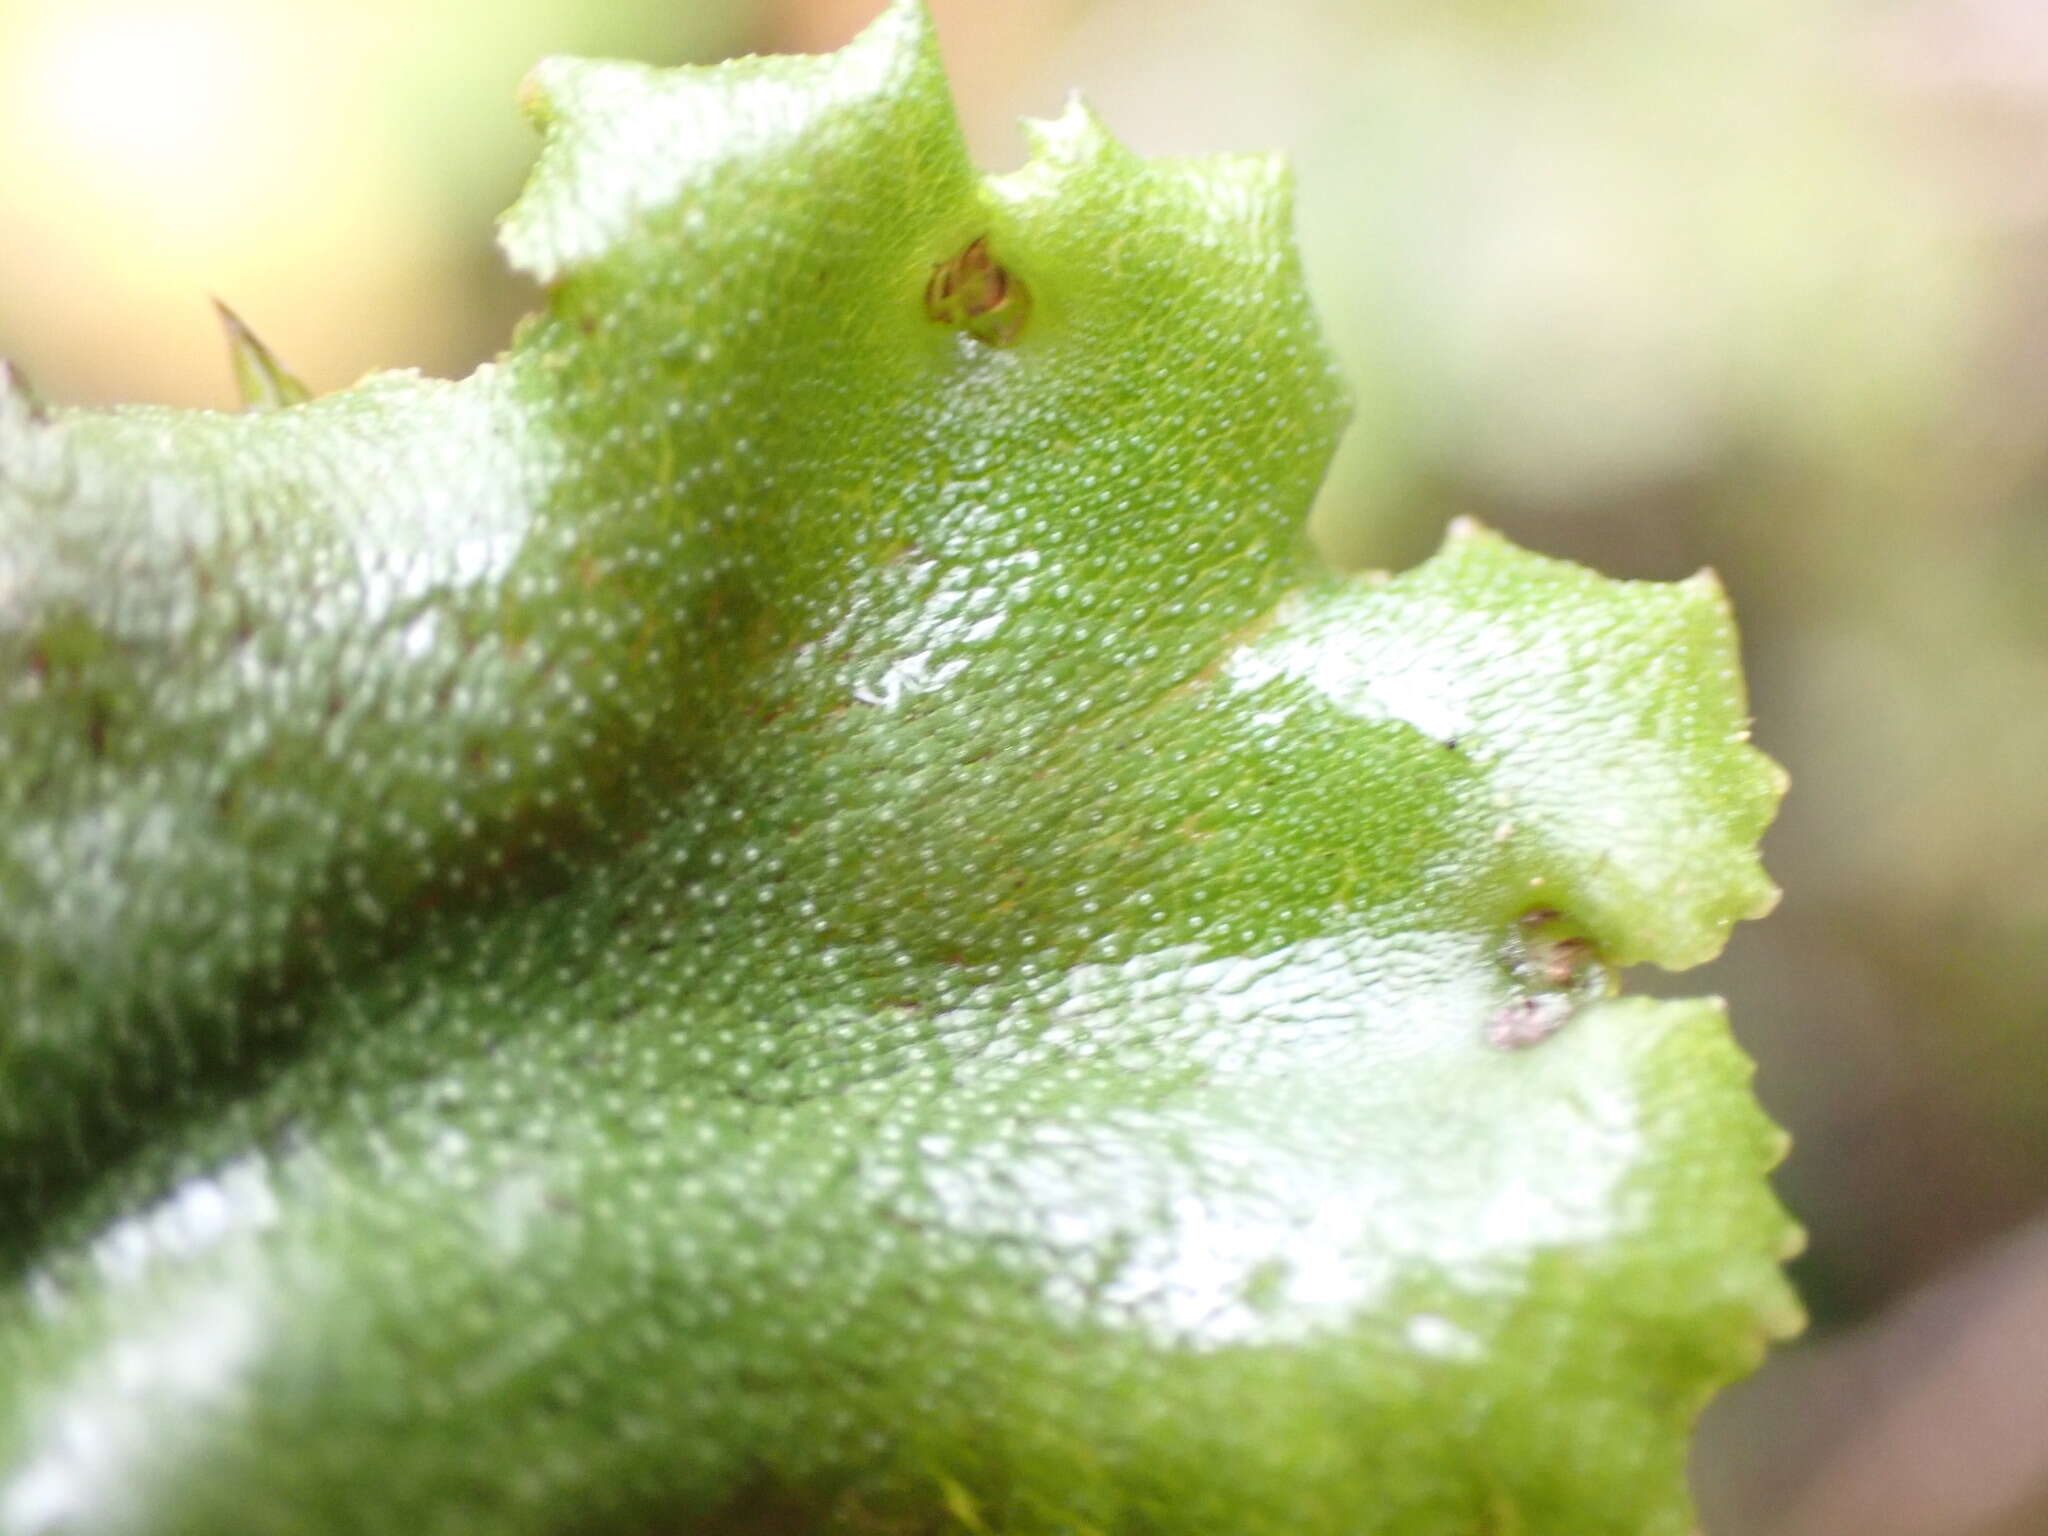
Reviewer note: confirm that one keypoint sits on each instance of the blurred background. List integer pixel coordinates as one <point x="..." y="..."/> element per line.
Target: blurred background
<point x="1757" y="284"/>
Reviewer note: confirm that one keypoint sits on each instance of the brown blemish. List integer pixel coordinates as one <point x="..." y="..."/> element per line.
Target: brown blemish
<point x="96" y="728"/>
<point x="1548" y="951"/>
<point x="1563" y="960"/>
<point x="1555" y="967"/>
<point x="977" y="294"/>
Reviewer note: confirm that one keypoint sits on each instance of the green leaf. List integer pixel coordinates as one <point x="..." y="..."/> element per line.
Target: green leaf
<point x="793" y="907"/>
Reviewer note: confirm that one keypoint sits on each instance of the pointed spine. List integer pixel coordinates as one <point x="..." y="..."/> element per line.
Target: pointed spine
<point x="260" y="379"/>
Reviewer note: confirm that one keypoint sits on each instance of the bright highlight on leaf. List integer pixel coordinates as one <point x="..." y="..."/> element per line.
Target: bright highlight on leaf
<point x="758" y="919"/>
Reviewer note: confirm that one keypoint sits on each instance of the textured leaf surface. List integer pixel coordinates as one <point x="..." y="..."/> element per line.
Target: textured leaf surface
<point x="764" y="914"/>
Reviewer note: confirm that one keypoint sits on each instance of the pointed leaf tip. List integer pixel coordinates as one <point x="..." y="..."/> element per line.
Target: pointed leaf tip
<point x="260" y="379"/>
<point x="626" y="147"/>
<point x="1073" y="135"/>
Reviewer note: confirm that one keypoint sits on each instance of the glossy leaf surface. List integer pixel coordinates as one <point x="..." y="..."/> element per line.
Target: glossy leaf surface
<point x="793" y="907"/>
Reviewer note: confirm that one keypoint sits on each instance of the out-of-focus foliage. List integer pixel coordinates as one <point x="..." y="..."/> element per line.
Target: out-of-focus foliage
<point x="1580" y="253"/>
<point x="330" y="169"/>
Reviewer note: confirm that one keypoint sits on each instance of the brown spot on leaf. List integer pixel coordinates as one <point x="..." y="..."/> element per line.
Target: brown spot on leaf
<point x="977" y="294"/>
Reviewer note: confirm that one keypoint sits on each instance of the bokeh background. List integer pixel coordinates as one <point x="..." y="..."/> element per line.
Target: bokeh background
<point x="1757" y="284"/>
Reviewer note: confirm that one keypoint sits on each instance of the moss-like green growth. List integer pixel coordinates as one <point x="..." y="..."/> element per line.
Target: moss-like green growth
<point x="758" y="917"/>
